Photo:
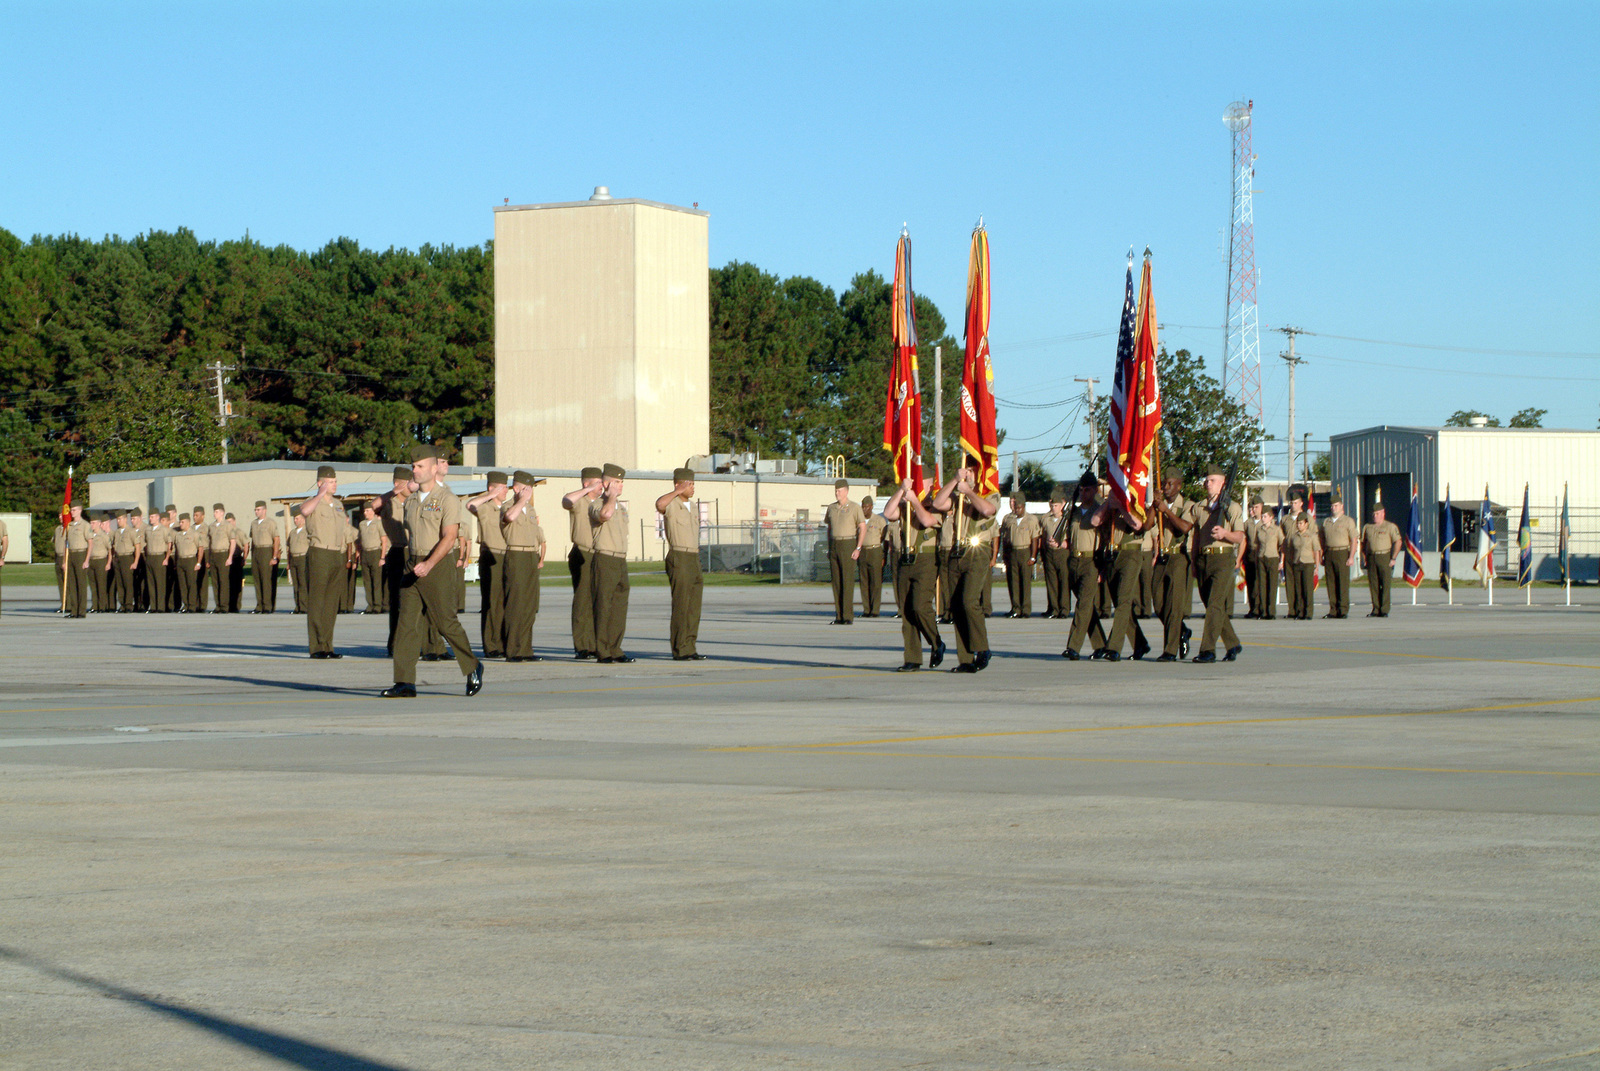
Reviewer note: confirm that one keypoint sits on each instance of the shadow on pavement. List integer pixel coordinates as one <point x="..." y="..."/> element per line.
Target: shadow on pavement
<point x="262" y="682"/>
<point x="291" y="1050"/>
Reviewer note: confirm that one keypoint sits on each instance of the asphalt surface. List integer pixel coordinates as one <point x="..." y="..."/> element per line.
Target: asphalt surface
<point x="1366" y="844"/>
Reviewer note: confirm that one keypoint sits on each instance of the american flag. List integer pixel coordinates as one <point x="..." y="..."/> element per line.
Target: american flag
<point x="1135" y="399"/>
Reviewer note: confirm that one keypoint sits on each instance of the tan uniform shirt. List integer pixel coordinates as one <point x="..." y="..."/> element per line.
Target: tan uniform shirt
<point x="394" y="523"/>
<point x="947" y="530"/>
<point x="981" y="530"/>
<point x="326" y="524"/>
<point x="874" y="535"/>
<point x="1082" y="537"/>
<point x="610" y="537"/>
<point x="61" y="540"/>
<point x="299" y="541"/>
<point x="78" y="535"/>
<point x="157" y="540"/>
<point x="351" y="538"/>
<point x="1020" y="532"/>
<point x="1380" y="538"/>
<point x="1269" y="541"/>
<point x="100" y="545"/>
<point x="843" y="520"/>
<point x="184" y="544"/>
<point x="490" y="533"/>
<point x="427" y="518"/>
<point x="221" y="533"/>
<point x="1302" y="548"/>
<point x="1252" y="536"/>
<point x="371" y="534"/>
<point x="1339" y="532"/>
<point x="682" y="527"/>
<point x="1169" y="537"/>
<point x="124" y="540"/>
<point x="523" y="533"/>
<point x="202" y="535"/>
<point x="581" y="528"/>
<point x="261" y="531"/>
<point x="1200" y="516"/>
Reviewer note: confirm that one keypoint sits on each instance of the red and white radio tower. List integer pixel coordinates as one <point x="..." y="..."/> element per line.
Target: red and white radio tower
<point x="1241" y="344"/>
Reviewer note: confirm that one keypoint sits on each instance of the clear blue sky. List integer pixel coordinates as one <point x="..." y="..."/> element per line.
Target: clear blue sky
<point x="1426" y="173"/>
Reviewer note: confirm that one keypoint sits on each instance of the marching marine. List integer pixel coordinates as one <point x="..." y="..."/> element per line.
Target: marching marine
<point x="972" y="551"/>
<point x="1217" y="536"/>
<point x="915" y="575"/>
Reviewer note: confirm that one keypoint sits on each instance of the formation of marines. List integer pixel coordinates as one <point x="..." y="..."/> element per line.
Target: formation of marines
<point x="410" y="547"/>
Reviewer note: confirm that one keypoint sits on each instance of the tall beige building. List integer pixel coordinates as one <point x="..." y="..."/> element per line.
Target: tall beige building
<point x="602" y="334"/>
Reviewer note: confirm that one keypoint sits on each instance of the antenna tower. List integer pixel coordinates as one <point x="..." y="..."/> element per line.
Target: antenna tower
<point x="1241" y="344"/>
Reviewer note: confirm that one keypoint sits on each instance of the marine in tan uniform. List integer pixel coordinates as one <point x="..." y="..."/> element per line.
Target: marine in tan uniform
<point x="374" y="545"/>
<point x="325" y="557"/>
<point x="352" y="560"/>
<point x="1083" y="570"/>
<point x="1215" y="539"/>
<point x="1380" y="542"/>
<point x="124" y="553"/>
<point x="491" y="554"/>
<point x="157" y="560"/>
<point x="915" y="574"/>
<point x="973" y="551"/>
<point x="580" y="561"/>
<point x="75" y="536"/>
<point x="521" y="561"/>
<point x="1054" y="557"/>
<point x="846" y="527"/>
<point x="1125" y="541"/>
<point x="99" y="565"/>
<point x="236" y="564"/>
<point x="265" y="548"/>
<point x="1339" y="538"/>
<point x="219" y="557"/>
<point x="1172" y="568"/>
<point x="59" y="541"/>
<point x="1021" y="534"/>
<point x="396" y="566"/>
<point x="1269" y="539"/>
<point x="608" y="521"/>
<point x="202" y="534"/>
<point x="433" y="523"/>
<point x="141" y="586"/>
<point x="298" y="544"/>
<point x="1252" y="560"/>
<point x="1301" y="554"/>
<point x="869" y="566"/>
<point x="945" y="566"/>
<point x="682" y="528"/>
<point x="186" y="554"/>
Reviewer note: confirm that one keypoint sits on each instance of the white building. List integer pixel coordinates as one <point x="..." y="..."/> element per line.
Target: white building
<point x="1384" y="462"/>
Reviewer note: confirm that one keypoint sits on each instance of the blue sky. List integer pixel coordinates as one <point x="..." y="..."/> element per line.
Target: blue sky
<point x="1426" y="174"/>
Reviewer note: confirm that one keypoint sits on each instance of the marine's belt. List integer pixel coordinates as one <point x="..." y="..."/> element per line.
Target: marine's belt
<point x="1219" y="548"/>
<point x="610" y="554"/>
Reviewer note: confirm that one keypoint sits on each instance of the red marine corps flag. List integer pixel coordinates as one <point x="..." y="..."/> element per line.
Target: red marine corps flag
<point x="978" y="439"/>
<point x="902" y="413"/>
<point x="1135" y="401"/>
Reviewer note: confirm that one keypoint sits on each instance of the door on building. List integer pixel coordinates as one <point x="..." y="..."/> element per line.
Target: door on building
<point x="1393" y="489"/>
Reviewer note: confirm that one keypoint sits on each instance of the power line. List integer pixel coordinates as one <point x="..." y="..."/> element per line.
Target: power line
<point x="1416" y="345"/>
<point x="1453" y="371"/>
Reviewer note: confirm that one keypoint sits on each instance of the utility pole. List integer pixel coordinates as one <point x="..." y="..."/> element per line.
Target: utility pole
<point x="1291" y="360"/>
<point x="1094" y="428"/>
<point x="222" y="404"/>
<point x="938" y="416"/>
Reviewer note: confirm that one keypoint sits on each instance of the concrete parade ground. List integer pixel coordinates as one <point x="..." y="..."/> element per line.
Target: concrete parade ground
<point x="1369" y="843"/>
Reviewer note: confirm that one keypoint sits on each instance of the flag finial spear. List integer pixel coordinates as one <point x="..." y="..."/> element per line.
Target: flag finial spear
<point x="1147" y="252"/>
<point x="1130" y="257"/>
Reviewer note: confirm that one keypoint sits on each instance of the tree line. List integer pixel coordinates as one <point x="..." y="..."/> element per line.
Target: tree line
<point x="109" y="350"/>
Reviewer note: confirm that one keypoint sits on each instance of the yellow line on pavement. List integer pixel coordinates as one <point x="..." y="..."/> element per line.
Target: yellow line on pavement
<point x="1158" y="725"/>
<point x="1430" y="657"/>
<point x="1188" y="762"/>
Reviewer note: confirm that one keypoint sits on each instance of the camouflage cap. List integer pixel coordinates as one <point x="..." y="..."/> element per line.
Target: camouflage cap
<point x="590" y="472"/>
<point x="497" y="479"/>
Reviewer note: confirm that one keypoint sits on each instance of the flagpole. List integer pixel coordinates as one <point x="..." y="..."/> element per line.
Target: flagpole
<point x="1565" y="538"/>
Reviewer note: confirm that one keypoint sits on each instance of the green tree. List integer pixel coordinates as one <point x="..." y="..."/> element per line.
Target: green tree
<point x="161" y="421"/>
<point x="1528" y="418"/>
<point x="1462" y="418"/>
<point x="1035" y="480"/>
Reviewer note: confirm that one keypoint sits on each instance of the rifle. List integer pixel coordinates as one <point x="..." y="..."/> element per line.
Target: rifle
<point x="1219" y="512"/>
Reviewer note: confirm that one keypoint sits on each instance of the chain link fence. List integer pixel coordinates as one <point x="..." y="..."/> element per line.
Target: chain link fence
<point x="794" y="551"/>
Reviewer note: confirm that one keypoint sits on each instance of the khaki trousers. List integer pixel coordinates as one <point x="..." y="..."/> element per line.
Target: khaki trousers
<point x="913" y="586"/>
<point x="1216" y="573"/>
<point x="78" y="583"/>
<point x="610" y="604"/>
<point x="1019" y="582"/>
<point x="220" y="584"/>
<point x="1378" y="579"/>
<point x="1172" y="596"/>
<point x="1085" y="579"/>
<point x="1125" y="570"/>
<point x="1300" y="577"/>
<point x="973" y="571"/>
<point x="156" y="581"/>
<point x="264" y="577"/>
<point x="127" y="599"/>
<point x="580" y="566"/>
<point x="428" y="601"/>
<point x="869" y="570"/>
<point x="1266" y="586"/>
<point x="683" y="577"/>
<point x="325" y="579"/>
<point x="492" y="627"/>
<point x="1336" y="571"/>
<point x="188" y="578"/>
<point x="100" y="575"/>
<point x="1057" y="590"/>
<point x="842" y="572"/>
<point x="517" y="574"/>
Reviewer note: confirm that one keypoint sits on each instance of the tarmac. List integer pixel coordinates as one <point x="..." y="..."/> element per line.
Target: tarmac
<point x="1369" y="843"/>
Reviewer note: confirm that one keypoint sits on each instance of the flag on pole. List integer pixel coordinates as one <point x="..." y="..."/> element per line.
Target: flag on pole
<point x="978" y="439"/>
<point x="1135" y="399"/>
<point x="1447" y="539"/>
<point x="1483" y="564"/>
<point x="1564" y="540"/>
<point x="1524" y="544"/>
<point x="902" y="413"/>
<point x="1413" y="566"/>
<point x="66" y="500"/>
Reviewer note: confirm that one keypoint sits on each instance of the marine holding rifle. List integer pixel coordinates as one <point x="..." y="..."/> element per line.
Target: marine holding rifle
<point x="1218" y="534"/>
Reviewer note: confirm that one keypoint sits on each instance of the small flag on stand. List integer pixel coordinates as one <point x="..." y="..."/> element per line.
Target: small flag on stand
<point x="1524" y="544"/>
<point x="1413" y="566"/>
<point x="1564" y="540"/>
<point x="1483" y="564"/>
<point x="1447" y="539"/>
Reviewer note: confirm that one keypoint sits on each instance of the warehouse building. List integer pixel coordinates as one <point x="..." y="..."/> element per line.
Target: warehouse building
<point x="1383" y="463"/>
